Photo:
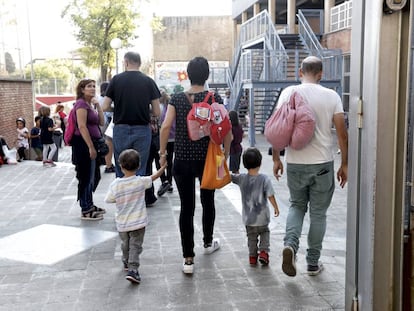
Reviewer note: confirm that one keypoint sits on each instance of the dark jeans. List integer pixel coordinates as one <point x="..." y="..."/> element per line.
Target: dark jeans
<point x="153" y="156"/>
<point x="22" y="153"/>
<point x="185" y="174"/>
<point x="58" y="140"/>
<point x="87" y="173"/>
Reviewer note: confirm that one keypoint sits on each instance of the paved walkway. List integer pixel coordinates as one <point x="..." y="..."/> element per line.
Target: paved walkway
<point x="51" y="260"/>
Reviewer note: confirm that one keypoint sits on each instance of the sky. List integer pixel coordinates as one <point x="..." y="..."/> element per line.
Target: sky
<point x="52" y="37"/>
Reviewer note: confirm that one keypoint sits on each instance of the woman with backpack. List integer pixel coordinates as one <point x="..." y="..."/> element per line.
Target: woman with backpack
<point x="189" y="159"/>
<point x="84" y="120"/>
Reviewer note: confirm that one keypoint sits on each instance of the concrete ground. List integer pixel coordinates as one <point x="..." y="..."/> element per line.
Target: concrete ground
<point x="52" y="260"/>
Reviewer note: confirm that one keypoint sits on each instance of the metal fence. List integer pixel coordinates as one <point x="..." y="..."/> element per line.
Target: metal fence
<point x="341" y="16"/>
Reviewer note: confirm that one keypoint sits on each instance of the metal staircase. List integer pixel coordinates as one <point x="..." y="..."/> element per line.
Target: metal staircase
<point x="297" y="51"/>
<point x="265" y="62"/>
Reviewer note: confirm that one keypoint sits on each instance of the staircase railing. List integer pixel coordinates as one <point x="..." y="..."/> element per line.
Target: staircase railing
<point x="273" y="69"/>
<point x="308" y="35"/>
<point x="331" y="59"/>
<point x="256" y="29"/>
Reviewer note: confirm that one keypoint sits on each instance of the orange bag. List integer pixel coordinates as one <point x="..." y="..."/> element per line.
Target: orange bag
<point x="216" y="173"/>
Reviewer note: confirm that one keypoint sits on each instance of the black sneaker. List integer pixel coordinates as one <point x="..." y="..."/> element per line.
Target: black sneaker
<point x="151" y="203"/>
<point x="288" y="264"/>
<point x="315" y="270"/>
<point x="163" y="188"/>
<point x="171" y="189"/>
<point x="133" y="276"/>
<point x="110" y="169"/>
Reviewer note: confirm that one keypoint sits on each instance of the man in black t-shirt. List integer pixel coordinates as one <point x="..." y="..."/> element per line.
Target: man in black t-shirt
<point x="133" y="94"/>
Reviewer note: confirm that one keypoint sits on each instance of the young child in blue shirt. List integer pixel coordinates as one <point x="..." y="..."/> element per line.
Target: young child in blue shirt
<point x="35" y="139"/>
<point x="128" y="192"/>
<point x="255" y="190"/>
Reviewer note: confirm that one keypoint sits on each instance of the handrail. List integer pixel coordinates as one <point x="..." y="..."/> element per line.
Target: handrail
<point x="331" y="59"/>
<point x="308" y="35"/>
<point x="256" y="29"/>
<point x="274" y="69"/>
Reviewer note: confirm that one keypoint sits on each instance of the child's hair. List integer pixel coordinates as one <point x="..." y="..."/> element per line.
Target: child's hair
<point x="59" y="106"/>
<point x="234" y="118"/>
<point x="44" y="111"/>
<point x="37" y="118"/>
<point x="129" y="159"/>
<point x="21" y="120"/>
<point x="252" y="158"/>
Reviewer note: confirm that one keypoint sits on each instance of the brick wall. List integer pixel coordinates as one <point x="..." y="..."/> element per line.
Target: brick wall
<point x="15" y="101"/>
<point x="338" y="40"/>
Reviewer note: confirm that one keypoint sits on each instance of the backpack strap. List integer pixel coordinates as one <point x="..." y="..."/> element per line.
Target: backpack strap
<point x="190" y="101"/>
<point x="188" y="95"/>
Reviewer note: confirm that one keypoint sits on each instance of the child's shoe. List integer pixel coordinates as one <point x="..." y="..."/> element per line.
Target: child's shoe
<point x="264" y="258"/>
<point x="253" y="260"/>
<point x="48" y="163"/>
<point x="133" y="276"/>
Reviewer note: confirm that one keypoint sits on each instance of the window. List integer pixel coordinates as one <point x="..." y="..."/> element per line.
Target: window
<point x="346" y="79"/>
<point x="341" y="16"/>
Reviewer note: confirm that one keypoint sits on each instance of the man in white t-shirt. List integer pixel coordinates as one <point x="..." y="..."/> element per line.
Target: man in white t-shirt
<point x="310" y="171"/>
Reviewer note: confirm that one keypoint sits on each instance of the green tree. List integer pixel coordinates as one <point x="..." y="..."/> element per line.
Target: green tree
<point x="10" y="65"/>
<point x="97" y="22"/>
<point x="55" y="76"/>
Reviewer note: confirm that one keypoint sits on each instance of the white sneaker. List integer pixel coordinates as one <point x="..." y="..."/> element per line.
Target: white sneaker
<point x="315" y="270"/>
<point x="188" y="266"/>
<point x="215" y="245"/>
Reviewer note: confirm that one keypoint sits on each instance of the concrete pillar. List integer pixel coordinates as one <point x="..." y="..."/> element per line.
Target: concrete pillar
<point x="235" y="34"/>
<point x="379" y="117"/>
<point x="271" y="5"/>
<point x="329" y="4"/>
<point x="256" y="8"/>
<point x="291" y="14"/>
<point x="244" y="17"/>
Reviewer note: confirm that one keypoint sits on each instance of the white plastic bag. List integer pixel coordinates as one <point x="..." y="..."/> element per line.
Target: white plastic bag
<point x="110" y="129"/>
<point x="10" y="154"/>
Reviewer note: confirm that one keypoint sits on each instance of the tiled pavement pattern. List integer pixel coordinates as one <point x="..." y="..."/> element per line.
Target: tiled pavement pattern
<point x="51" y="260"/>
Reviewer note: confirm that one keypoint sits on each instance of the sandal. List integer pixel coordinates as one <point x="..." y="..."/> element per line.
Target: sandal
<point x="99" y="210"/>
<point x="92" y="215"/>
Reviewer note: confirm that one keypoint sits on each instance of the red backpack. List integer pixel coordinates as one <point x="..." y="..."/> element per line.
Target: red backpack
<point x="70" y="126"/>
<point x="199" y="117"/>
<point x="220" y="124"/>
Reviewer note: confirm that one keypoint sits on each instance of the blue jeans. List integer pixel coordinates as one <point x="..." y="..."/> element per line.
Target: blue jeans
<point x="136" y="137"/>
<point x="309" y="185"/>
<point x="86" y="193"/>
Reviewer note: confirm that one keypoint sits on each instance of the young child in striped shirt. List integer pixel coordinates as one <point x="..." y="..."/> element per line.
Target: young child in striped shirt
<point x="128" y="192"/>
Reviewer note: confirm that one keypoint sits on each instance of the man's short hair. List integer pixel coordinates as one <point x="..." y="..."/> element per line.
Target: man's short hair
<point x="133" y="57"/>
<point x="252" y="158"/>
<point x="198" y="70"/>
<point x="129" y="159"/>
<point x="311" y="65"/>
